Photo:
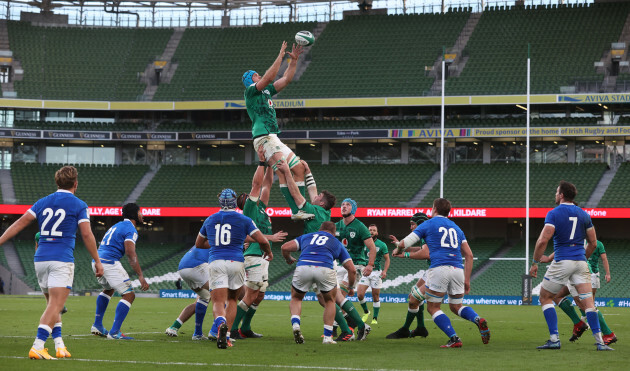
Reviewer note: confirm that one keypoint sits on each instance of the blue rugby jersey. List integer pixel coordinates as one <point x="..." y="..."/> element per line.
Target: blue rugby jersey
<point x="320" y="249"/>
<point x="444" y="239"/>
<point x="226" y="232"/>
<point x="194" y="258"/>
<point x="570" y="223"/>
<point x="59" y="215"/>
<point x="112" y="246"/>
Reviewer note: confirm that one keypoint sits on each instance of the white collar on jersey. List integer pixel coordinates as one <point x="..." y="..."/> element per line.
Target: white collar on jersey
<point x="126" y="220"/>
<point x="63" y="190"/>
<point x="222" y="209"/>
<point x="440" y="216"/>
<point x="567" y="203"/>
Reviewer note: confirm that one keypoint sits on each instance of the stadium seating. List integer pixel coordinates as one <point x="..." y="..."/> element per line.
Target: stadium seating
<point x="26" y="251"/>
<point x="354" y="181"/>
<point x="98" y="185"/>
<point x="617" y="194"/>
<point x="211" y="61"/>
<point x="498" y="48"/>
<point x="81" y="125"/>
<point x="618" y="254"/>
<point x="84" y="63"/>
<point x="377" y="55"/>
<point x="3" y="259"/>
<point x="503" y="184"/>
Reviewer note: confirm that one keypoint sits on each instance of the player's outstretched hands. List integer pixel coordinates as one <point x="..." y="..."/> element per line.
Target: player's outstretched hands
<point x="98" y="266"/>
<point x="295" y="53"/>
<point x="533" y="270"/>
<point x="290" y="260"/>
<point x="278" y="236"/>
<point x="283" y="49"/>
<point x="144" y="285"/>
<point x="397" y="251"/>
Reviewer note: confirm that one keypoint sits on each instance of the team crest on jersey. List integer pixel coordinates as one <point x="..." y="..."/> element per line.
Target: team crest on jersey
<point x="344" y="242"/>
<point x="270" y="103"/>
<point x="352" y="234"/>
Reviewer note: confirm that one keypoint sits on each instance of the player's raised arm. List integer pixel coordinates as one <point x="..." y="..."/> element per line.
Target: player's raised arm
<point x="271" y="73"/>
<point x="130" y="251"/>
<point x="257" y="180"/>
<point x="266" y="186"/>
<point x="293" y="188"/>
<point x="90" y="246"/>
<point x="282" y="82"/>
<point x="309" y="181"/>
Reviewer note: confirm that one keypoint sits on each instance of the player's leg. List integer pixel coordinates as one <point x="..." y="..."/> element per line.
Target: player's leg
<point x="546" y="301"/>
<point x="415" y="299"/>
<point x="102" y="301"/>
<point x="230" y="309"/>
<point x="56" y="299"/>
<point x="118" y="279"/>
<point x="361" y="290"/>
<point x="608" y="335"/>
<point x="200" y="309"/>
<point x="242" y="308"/>
<point x="218" y="295"/>
<point x="376" y="304"/>
<point x="354" y="316"/>
<point x="184" y="316"/>
<point x="295" y="307"/>
<point x="246" y="326"/>
<point x="564" y="302"/>
<point x="255" y="285"/>
<point x="329" y="315"/>
<point x="456" y="296"/>
<point x="434" y="302"/>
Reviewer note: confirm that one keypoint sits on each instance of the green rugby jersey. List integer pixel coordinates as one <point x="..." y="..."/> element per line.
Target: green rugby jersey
<point x="321" y="215"/>
<point x="593" y="261"/>
<point x="260" y="110"/>
<point x="381" y="250"/>
<point x="352" y="237"/>
<point x="257" y="211"/>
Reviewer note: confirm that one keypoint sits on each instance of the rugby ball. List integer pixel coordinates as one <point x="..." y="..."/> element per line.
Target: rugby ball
<point x="304" y="38"/>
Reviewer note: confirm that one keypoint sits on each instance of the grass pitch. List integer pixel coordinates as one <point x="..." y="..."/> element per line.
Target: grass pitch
<point x="516" y="331"/>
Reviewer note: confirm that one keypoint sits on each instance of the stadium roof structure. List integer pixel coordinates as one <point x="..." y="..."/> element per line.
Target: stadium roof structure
<point x="49" y="5"/>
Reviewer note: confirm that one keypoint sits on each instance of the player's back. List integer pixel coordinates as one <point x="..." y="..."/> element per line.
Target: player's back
<point x="112" y="247"/>
<point x="194" y="258"/>
<point x="58" y="215"/>
<point x="226" y="232"/>
<point x="571" y="224"/>
<point x="321" y="215"/>
<point x="320" y="249"/>
<point x="444" y="239"/>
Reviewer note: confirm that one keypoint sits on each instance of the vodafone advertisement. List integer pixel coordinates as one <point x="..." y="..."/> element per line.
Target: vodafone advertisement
<point x="362" y="212"/>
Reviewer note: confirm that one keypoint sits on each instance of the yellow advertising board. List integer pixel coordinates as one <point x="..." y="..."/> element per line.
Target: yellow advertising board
<point x="577" y="131"/>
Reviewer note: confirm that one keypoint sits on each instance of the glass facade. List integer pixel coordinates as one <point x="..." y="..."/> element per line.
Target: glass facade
<point x="66" y="154"/>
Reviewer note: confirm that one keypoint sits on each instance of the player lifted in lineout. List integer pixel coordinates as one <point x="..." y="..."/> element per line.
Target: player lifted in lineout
<point x="258" y="92"/>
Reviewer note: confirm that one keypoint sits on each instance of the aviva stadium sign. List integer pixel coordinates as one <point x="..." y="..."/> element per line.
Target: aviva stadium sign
<point x="594" y="98"/>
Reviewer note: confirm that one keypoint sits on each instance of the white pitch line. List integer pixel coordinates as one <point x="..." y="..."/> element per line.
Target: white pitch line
<point x="210" y="364"/>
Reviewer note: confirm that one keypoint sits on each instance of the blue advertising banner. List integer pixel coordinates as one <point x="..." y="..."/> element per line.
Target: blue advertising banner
<point x="402" y="298"/>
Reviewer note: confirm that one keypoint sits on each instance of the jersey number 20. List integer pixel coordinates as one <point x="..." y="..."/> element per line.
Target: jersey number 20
<point x="451" y="233"/>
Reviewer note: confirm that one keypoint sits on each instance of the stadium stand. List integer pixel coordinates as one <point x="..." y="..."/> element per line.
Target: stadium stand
<point x="617" y="194"/>
<point x="498" y="48"/>
<point x="26" y="251"/>
<point x="211" y="61"/>
<point x="343" y="180"/>
<point x="81" y="125"/>
<point x="618" y="254"/>
<point x="3" y="259"/>
<point x="502" y="277"/>
<point x="377" y="47"/>
<point x="98" y="185"/>
<point x="503" y="184"/>
<point x="84" y="63"/>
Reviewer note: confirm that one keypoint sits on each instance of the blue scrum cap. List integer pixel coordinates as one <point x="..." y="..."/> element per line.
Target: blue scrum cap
<point x="227" y="199"/>
<point x="247" y="78"/>
<point x="353" y="203"/>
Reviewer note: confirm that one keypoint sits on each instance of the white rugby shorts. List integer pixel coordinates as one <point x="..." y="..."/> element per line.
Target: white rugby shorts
<point x="114" y="277"/>
<point x="374" y="280"/>
<point x="446" y="279"/>
<point x="272" y="144"/>
<point x="561" y="273"/>
<point x="257" y="272"/>
<point x="196" y="277"/>
<point x="227" y="274"/>
<point x="54" y="274"/>
<point x="307" y="276"/>
<point x="594" y="284"/>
